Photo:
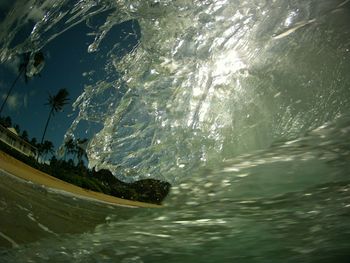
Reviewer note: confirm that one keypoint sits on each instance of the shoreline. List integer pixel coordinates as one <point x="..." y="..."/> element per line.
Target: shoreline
<point x="25" y="172"/>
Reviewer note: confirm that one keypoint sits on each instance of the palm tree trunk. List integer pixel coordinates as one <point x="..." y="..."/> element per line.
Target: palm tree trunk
<point x="47" y="123"/>
<point x="10" y="90"/>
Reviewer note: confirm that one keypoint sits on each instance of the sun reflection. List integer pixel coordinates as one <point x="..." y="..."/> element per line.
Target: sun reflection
<point x="226" y="64"/>
<point x="290" y="18"/>
<point x="219" y="71"/>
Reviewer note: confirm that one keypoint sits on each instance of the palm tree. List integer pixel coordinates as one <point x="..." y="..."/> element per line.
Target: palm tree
<point x="24" y="135"/>
<point x="6" y="122"/>
<point x="80" y="148"/>
<point x="46" y="148"/>
<point x="34" y="142"/>
<point x="17" y="128"/>
<point x="69" y="146"/>
<point x="38" y="61"/>
<point x="56" y="103"/>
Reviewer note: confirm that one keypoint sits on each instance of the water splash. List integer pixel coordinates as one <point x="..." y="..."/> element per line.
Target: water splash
<point x="207" y="80"/>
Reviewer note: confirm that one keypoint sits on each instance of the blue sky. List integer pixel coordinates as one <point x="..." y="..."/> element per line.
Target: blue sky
<point x="64" y="66"/>
<point x="66" y="59"/>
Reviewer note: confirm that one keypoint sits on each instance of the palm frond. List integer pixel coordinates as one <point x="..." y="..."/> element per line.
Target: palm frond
<point x="56" y="102"/>
<point x="59" y="100"/>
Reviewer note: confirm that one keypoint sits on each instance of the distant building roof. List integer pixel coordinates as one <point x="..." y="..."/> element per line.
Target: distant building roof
<point x="13" y="130"/>
<point x="13" y="133"/>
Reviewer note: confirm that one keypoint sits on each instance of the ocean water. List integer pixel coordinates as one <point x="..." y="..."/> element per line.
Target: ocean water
<point x="243" y="106"/>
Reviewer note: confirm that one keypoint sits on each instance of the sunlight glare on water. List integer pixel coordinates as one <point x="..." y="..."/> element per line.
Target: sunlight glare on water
<point x="242" y="105"/>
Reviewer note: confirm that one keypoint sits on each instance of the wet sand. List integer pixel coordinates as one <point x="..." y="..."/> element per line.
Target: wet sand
<point x="24" y="171"/>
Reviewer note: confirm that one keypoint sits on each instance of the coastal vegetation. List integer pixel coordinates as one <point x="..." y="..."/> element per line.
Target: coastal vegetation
<point x="56" y="104"/>
<point x="72" y="168"/>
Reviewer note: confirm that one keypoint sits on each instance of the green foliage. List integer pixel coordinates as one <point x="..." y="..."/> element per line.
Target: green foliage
<point x="57" y="101"/>
<point x="33" y="142"/>
<point x="67" y="171"/>
<point x="6" y="122"/>
<point x="19" y="156"/>
<point x="45" y="148"/>
<point x="69" y="146"/>
<point x="80" y="148"/>
<point x="25" y="135"/>
<point x="151" y="191"/>
<point x="76" y="148"/>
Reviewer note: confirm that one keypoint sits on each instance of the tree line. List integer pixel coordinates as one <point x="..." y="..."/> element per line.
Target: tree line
<point x="74" y="148"/>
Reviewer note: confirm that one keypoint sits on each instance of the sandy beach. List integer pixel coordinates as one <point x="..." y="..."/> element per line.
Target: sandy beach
<point x="24" y="171"/>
